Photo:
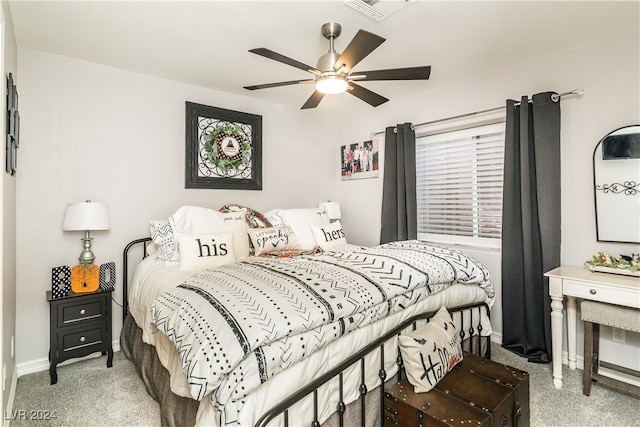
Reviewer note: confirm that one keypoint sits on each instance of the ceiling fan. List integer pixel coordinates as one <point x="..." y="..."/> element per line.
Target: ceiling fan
<point x="333" y="73"/>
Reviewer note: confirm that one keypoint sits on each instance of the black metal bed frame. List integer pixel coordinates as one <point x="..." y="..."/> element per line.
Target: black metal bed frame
<point x="474" y="330"/>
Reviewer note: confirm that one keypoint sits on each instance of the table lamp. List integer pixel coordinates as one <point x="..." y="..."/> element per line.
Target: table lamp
<point x="86" y="216"/>
<point x="332" y="209"/>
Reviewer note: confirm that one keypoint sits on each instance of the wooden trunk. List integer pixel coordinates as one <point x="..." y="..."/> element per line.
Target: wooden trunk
<point x="477" y="392"/>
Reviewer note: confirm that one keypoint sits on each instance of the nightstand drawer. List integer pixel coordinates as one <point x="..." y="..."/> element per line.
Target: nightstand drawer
<point x="75" y="312"/>
<point x="82" y="339"/>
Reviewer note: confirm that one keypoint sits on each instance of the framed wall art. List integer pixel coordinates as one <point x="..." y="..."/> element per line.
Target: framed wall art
<point x="359" y="160"/>
<point x="223" y="148"/>
<point x="13" y="128"/>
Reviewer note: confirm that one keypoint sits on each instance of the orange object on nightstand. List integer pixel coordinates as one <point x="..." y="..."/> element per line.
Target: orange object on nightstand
<point x="85" y="278"/>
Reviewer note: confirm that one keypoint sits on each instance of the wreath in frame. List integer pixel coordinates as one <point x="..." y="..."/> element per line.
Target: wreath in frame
<point x="227" y="147"/>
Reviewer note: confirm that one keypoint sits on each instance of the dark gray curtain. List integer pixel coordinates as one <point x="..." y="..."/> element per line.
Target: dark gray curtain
<point x="530" y="224"/>
<point x="399" y="215"/>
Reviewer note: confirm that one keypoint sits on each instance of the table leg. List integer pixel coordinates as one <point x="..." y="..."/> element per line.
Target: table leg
<point x="571" y="331"/>
<point x="555" y="291"/>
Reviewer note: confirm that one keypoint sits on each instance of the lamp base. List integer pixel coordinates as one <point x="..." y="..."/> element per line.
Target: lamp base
<point x="86" y="256"/>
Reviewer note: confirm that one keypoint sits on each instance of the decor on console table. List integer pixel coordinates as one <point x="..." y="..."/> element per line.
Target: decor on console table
<point x="605" y="263"/>
<point x="223" y="148"/>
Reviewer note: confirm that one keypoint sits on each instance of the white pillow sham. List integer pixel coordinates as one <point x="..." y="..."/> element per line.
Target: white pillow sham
<point x="301" y="221"/>
<point x="198" y="220"/>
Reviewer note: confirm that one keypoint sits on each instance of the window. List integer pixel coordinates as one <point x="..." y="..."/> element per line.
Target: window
<point x="459" y="185"/>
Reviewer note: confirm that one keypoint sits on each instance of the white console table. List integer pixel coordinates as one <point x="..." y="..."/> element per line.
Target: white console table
<point x="580" y="282"/>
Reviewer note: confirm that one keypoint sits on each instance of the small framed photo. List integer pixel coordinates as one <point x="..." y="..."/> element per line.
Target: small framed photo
<point x="359" y="160"/>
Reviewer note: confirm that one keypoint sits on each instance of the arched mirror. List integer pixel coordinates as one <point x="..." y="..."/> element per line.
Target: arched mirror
<point x="616" y="179"/>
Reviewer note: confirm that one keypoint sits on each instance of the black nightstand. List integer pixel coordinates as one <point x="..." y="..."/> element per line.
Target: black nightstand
<point x="80" y="324"/>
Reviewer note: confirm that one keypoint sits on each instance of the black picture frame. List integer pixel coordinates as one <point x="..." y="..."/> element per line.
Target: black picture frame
<point x="13" y="128"/>
<point x="207" y="166"/>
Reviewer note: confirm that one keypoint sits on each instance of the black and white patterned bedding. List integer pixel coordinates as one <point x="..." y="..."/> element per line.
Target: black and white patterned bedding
<point x="238" y="325"/>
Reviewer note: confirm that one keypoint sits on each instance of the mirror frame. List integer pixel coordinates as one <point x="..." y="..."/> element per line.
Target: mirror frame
<point x="631" y="188"/>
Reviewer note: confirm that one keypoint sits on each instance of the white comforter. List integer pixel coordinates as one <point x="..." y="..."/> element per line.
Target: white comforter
<point x="269" y="314"/>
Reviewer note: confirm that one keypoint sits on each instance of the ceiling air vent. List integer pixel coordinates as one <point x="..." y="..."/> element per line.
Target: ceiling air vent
<point x="377" y="9"/>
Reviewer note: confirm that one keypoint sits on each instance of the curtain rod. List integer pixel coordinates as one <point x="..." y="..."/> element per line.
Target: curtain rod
<point x="555" y="98"/>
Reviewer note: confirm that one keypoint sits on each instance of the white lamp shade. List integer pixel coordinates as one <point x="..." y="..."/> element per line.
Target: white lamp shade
<point x="87" y="216"/>
<point x="332" y="209"/>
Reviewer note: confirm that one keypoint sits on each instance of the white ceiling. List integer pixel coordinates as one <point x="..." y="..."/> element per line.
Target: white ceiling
<point x="206" y="43"/>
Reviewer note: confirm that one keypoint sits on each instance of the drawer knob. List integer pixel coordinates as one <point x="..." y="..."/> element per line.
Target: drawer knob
<point x="592" y="291"/>
<point x="82" y="311"/>
<point x="82" y="339"/>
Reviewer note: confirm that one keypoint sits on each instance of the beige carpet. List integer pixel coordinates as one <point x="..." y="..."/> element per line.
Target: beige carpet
<point x="89" y="394"/>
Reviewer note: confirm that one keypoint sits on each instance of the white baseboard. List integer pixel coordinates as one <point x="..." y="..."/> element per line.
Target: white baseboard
<point x="12" y="395"/>
<point x="39" y="365"/>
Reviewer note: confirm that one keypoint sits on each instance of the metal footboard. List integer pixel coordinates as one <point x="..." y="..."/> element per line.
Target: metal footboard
<point x="473" y="344"/>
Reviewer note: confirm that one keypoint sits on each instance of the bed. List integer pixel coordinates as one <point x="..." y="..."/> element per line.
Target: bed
<point x="302" y="334"/>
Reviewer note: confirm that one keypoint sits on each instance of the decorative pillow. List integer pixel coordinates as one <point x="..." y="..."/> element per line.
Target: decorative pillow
<point x="200" y="251"/>
<point x="253" y="218"/>
<point x="162" y="236"/>
<point x="301" y="221"/>
<point x="273" y="239"/>
<point x="236" y="222"/>
<point x="330" y="236"/>
<point x="274" y="217"/>
<point x="198" y="220"/>
<point x="430" y="351"/>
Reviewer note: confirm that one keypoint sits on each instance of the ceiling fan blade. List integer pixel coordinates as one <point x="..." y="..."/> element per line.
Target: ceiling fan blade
<point x="278" y="84"/>
<point x="313" y="100"/>
<point x="411" y="73"/>
<point x="366" y="95"/>
<point x="284" y="59"/>
<point x="362" y="44"/>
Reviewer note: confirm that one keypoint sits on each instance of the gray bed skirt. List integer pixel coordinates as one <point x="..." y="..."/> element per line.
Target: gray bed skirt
<point x="175" y="411"/>
<point x="178" y="411"/>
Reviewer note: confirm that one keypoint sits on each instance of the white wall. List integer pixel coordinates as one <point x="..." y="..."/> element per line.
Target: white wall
<point x="608" y="72"/>
<point x="100" y="133"/>
<point x="8" y="215"/>
<point x="96" y="132"/>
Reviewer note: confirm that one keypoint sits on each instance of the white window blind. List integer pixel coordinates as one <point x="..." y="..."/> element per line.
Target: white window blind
<point x="459" y="185"/>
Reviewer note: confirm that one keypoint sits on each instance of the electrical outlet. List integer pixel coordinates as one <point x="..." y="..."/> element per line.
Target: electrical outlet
<point x="619" y="335"/>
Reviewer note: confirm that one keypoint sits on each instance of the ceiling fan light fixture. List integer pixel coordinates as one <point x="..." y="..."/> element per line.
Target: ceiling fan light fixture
<point x="331" y="84"/>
